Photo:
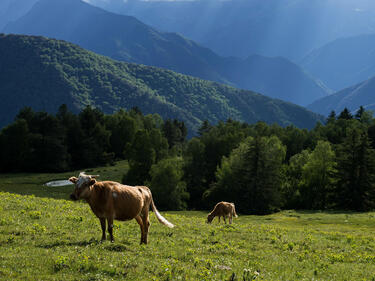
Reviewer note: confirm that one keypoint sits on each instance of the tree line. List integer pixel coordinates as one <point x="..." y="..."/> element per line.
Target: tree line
<point x="262" y="168"/>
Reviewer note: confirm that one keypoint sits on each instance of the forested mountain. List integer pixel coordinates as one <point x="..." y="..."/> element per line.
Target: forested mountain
<point x="288" y="28"/>
<point x="125" y="38"/>
<point x="352" y="98"/>
<point x="44" y="73"/>
<point x="343" y="62"/>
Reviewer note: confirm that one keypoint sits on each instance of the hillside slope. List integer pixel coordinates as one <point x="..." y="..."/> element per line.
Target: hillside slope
<point x="44" y="73"/>
<point x="127" y="39"/>
<point x="352" y="98"/>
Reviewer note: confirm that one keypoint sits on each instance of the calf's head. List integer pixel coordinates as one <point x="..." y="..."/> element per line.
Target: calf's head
<point x="210" y="217"/>
<point x="82" y="186"/>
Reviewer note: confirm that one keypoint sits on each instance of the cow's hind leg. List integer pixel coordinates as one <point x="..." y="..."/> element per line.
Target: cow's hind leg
<point x="146" y="225"/>
<point x="110" y="228"/>
<point x="140" y="222"/>
<point x="224" y="219"/>
<point x="102" y="223"/>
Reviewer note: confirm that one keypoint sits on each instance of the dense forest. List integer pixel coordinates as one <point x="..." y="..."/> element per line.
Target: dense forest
<point x="262" y="168"/>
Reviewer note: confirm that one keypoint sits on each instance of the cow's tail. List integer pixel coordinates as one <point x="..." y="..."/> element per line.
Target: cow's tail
<point x="234" y="211"/>
<point x="160" y="218"/>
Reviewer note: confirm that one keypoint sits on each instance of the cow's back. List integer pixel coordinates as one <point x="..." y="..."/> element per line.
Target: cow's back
<point x="128" y="201"/>
<point x="223" y="208"/>
<point x="123" y="202"/>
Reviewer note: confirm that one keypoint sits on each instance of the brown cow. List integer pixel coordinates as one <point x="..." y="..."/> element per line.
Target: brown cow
<point x="111" y="200"/>
<point x="222" y="209"/>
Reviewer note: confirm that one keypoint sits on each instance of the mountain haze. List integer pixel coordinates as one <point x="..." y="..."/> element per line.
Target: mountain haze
<point x="11" y="10"/>
<point x="127" y="39"/>
<point x="343" y="62"/>
<point x="44" y="73"/>
<point x="288" y="28"/>
<point x="287" y="80"/>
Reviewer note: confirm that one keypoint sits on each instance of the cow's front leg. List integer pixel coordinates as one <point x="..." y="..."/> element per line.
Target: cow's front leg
<point x="102" y="223"/>
<point x="225" y="220"/>
<point x="110" y="228"/>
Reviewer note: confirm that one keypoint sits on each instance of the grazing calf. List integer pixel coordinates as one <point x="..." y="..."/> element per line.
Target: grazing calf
<point x="111" y="200"/>
<point x="222" y="209"/>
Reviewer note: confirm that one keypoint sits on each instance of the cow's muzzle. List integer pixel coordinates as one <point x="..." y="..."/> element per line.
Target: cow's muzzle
<point x="73" y="197"/>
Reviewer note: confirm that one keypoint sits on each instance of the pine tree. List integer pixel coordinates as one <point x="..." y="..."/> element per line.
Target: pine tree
<point x="14" y="147"/>
<point x="204" y="128"/>
<point x="345" y="114"/>
<point x="360" y="113"/>
<point x="356" y="172"/>
<point x="331" y="117"/>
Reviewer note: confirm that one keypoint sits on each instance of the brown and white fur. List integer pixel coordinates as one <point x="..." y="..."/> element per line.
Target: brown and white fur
<point x="222" y="209"/>
<point x="111" y="200"/>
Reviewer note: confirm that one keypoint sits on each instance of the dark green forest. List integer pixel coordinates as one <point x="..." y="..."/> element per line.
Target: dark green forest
<point x="262" y="168"/>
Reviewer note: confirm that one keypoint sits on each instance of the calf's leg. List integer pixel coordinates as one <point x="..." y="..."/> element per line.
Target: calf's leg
<point x="102" y="223"/>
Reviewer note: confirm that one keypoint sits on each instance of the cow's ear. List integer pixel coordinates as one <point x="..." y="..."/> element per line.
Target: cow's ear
<point x="92" y="181"/>
<point x="73" y="179"/>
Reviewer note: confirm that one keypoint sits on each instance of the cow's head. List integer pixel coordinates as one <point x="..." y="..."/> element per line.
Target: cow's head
<point x="82" y="186"/>
<point x="210" y="217"/>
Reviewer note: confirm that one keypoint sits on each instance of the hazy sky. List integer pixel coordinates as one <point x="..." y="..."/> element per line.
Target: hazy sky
<point x="107" y="1"/>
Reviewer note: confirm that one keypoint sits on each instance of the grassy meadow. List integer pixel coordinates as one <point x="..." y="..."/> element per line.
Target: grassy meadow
<point x="43" y="236"/>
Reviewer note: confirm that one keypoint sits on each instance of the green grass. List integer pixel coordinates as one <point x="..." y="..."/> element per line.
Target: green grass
<point x="53" y="239"/>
